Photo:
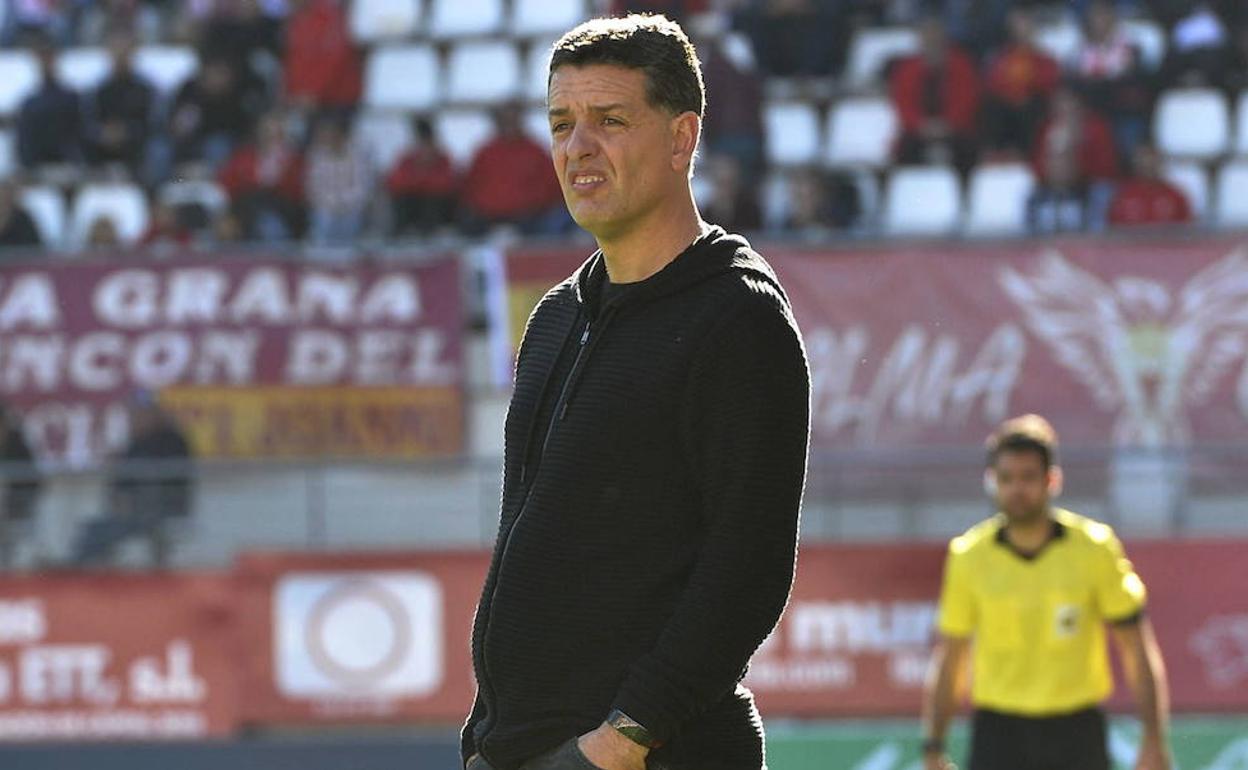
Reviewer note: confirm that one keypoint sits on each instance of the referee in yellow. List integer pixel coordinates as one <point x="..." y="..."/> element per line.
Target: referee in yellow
<point x="1026" y="598"/>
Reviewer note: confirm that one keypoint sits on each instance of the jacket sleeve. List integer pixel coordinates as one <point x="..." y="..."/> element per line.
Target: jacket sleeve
<point x="746" y="428"/>
<point x="467" y="744"/>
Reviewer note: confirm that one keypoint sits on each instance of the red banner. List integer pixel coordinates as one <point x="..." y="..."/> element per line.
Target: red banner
<point x="92" y="657"/>
<point x="291" y="341"/>
<point x="1124" y="343"/>
<point x="856" y="636"/>
<point x="291" y="639"/>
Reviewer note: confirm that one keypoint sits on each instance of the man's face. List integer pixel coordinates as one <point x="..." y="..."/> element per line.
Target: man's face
<point x="619" y="159"/>
<point x="1023" y="485"/>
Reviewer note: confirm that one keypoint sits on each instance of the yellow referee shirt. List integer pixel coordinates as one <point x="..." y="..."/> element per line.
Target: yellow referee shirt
<point x="1038" y="623"/>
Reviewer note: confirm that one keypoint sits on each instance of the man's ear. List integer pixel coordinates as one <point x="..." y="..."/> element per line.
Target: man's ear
<point x="1057" y="480"/>
<point x="990" y="482"/>
<point x="686" y="130"/>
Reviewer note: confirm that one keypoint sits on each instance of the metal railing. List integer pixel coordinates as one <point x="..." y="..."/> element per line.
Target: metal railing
<point x="378" y="505"/>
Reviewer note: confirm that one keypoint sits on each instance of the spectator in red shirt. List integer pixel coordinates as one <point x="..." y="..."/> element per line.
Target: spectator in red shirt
<point x="422" y="184"/>
<point x="936" y="94"/>
<point x="1020" y="80"/>
<point x="1074" y="128"/>
<point x="1145" y="198"/>
<point x="1110" y="75"/>
<point x="265" y="183"/>
<point x="1080" y="142"/>
<point x="512" y="182"/>
<point x="323" y="70"/>
<point x="166" y="233"/>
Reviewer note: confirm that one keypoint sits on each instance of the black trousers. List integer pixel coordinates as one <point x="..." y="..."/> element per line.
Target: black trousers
<point x="1075" y="741"/>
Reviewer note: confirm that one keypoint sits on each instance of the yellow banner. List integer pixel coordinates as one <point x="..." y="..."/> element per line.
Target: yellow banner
<point x="348" y="422"/>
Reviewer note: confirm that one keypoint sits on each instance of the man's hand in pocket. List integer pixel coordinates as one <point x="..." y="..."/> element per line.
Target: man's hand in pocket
<point x="609" y="750"/>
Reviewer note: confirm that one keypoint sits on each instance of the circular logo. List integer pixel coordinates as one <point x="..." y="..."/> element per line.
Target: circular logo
<point x="358" y="633"/>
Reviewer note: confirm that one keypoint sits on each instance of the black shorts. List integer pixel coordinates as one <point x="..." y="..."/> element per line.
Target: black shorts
<point x="1074" y="741"/>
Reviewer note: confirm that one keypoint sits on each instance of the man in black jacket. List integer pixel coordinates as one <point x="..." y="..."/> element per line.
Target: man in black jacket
<point x="655" y="449"/>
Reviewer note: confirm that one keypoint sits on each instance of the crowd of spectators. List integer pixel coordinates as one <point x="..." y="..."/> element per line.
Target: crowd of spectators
<point x="269" y="115"/>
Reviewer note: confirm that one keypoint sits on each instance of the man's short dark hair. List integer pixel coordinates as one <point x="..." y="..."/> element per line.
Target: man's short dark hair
<point x="653" y="44"/>
<point x="1029" y="433"/>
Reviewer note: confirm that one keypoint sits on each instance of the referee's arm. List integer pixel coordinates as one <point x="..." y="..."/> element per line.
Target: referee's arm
<point x="1146" y="675"/>
<point x="943" y="689"/>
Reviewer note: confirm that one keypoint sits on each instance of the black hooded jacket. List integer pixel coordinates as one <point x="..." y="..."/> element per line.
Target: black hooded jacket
<point x="655" y="453"/>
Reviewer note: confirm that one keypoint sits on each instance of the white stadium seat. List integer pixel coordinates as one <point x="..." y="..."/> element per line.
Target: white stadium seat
<point x="462" y="132"/>
<point x="537" y="124"/>
<point x="121" y="202"/>
<point x="874" y="47"/>
<point x="1192" y="179"/>
<point x="19" y="77"/>
<point x="465" y="18"/>
<point x="487" y="71"/>
<point x="1149" y="38"/>
<point x="46" y="205"/>
<point x="793" y="134"/>
<point x="1060" y="40"/>
<point x="402" y="78"/>
<point x="166" y="67"/>
<point x="1231" y="195"/>
<point x="83" y="69"/>
<point x="384" y="136"/>
<point x="8" y="153"/>
<point x="373" y="21"/>
<point x="997" y="199"/>
<point x="531" y="18"/>
<point x="536" y="69"/>
<point x="195" y="192"/>
<point x="1241" y="124"/>
<point x="861" y="132"/>
<point x="921" y="201"/>
<point x="1192" y="123"/>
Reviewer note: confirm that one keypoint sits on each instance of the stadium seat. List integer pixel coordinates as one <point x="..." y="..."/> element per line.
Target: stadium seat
<point x="373" y="21"/>
<point x="773" y="199"/>
<point x="82" y="69"/>
<point x="121" y="202"/>
<point x="536" y="68"/>
<point x="402" y="78"/>
<point x="860" y="132"/>
<point x="1192" y="179"/>
<point x="997" y="199"/>
<point x="384" y="136"/>
<point x="1150" y="38"/>
<point x="465" y="18"/>
<point x="167" y="67"/>
<point x="530" y="18"/>
<point x="1060" y="40"/>
<point x="462" y="132"/>
<point x="1231" y="195"/>
<point x="873" y="48"/>
<point x="19" y="76"/>
<point x="46" y="205"/>
<point x="1241" y="124"/>
<point x="1192" y="123"/>
<point x="195" y="192"/>
<point x="486" y="71"/>
<point x="537" y="124"/>
<point x="792" y="133"/>
<point x="921" y="201"/>
<point x="8" y="153"/>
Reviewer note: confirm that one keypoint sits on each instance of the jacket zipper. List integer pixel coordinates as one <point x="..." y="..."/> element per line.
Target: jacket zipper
<point x="557" y="415"/>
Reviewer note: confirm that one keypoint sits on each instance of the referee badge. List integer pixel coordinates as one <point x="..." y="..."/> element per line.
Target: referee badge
<point x="1066" y="621"/>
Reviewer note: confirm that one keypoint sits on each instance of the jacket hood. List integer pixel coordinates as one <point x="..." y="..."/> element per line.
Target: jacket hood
<point x="713" y="253"/>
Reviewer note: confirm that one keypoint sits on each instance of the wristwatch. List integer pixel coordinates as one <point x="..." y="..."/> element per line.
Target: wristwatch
<point x="933" y="745"/>
<point x="630" y="729"/>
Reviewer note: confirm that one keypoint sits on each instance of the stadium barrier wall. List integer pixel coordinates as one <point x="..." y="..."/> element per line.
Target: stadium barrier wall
<point x="302" y="640"/>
